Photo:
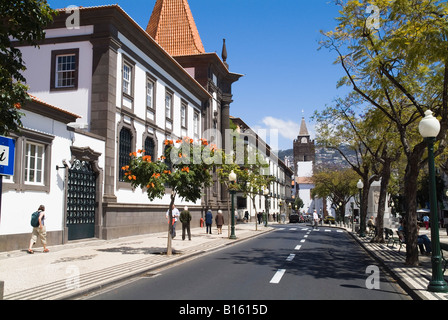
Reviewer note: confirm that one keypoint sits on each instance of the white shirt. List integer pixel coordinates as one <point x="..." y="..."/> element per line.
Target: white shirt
<point x="175" y="214"/>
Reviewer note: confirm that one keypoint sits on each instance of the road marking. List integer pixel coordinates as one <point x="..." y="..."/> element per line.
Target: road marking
<point x="327" y="230"/>
<point x="303" y="240"/>
<point x="290" y="257"/>
<point x="281" y="229"/>
<point x="298" y="247"/>
<point x="293" y="229"/>
<point x="339" y="231"/>
<point x="305" y="236"/>
<point x="278" y="276"/>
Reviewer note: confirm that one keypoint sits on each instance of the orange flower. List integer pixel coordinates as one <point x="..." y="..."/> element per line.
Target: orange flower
<point x="186" y="169"/>
<point x="17" y="105"/>
<point x="178" y="141"/>
<point x="167" y="171"/>
<point x="146" y="158"/>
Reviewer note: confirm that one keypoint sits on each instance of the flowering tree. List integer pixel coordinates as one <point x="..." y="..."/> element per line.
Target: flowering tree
<point x="185" y="168"/>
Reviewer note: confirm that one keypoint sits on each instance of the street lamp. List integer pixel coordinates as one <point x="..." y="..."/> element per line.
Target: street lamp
<point x="429" y="128"/>
<point x="360" y="186"/>
<point x="266" y="205"/>
<point x="232" y="180"/>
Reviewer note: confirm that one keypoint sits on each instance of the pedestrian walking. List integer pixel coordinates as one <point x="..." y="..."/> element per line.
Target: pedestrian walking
<point x="175" y="216"/>
<point x="315" y="220"/>
<point x="219" y="219"/>
<point x="185" y="218"/>
<point x="39" y="229"/>
<point x="208" y="221"/>
<point x="426" y="221"/>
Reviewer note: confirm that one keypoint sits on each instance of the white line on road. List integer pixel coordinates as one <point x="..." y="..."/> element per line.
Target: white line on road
<point x="278" y="276"/>
<point x="303" y="240"/>
<point x="290" y="257"/>
<point x="293" y="229"/>
<point x="298" y="247"/>
<point x="305" y="236"/>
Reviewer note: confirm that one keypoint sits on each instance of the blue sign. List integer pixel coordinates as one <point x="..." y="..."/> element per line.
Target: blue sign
<point x="7" y="148"/>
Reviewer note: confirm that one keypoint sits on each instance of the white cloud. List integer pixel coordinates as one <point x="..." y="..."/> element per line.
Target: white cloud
<point x="287" y="129"/>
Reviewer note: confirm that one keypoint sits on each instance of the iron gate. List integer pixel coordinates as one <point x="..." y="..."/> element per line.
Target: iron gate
<point x="81" y="199"/>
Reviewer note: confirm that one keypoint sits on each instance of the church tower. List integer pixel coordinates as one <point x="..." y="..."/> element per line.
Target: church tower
<point x="304" y="152"/>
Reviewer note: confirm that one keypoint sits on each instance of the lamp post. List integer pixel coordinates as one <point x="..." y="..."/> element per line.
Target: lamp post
<point x="429" y="128"/>
<point x="232" y="180"/>
<point x="266" y="205"/>
<point x="360" y="186"/>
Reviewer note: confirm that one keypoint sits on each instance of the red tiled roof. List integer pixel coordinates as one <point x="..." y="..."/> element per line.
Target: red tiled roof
<point x="173" y="27"/>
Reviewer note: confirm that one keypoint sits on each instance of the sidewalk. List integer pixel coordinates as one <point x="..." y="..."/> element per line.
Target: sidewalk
<point x="414" y="280"/>
<point x="77" y="268"/>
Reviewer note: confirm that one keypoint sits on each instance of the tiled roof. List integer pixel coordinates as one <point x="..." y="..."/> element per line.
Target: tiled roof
<point x="173" y="27"/>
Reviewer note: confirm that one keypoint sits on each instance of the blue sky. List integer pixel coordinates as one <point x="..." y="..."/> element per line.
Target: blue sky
<point x="273" y="43"/>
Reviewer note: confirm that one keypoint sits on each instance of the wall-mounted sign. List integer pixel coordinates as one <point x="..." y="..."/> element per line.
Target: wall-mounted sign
<point x="7" y="147"/>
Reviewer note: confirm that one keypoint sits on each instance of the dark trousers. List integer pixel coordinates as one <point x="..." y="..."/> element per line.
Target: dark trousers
<point x="186" y="226"/>
<point x="208" y="228"/>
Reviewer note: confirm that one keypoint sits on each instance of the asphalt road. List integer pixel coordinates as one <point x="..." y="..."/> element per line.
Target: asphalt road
<point x="293" y="262"/>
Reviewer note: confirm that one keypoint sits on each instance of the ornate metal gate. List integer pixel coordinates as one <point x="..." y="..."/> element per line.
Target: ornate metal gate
<point x="81" y="201"/>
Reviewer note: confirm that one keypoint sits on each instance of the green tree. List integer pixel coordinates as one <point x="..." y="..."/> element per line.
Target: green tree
<point x="336" y="184"/>
<point x="22" y="21"/>
<point x="398" y="65"/>
<point x="186" y="173"/>
<point x="252" y="176"/>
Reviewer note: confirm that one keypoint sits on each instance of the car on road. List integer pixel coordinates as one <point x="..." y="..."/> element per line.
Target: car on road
<point x="294" y="218"/>
<point x="329" y="220"/>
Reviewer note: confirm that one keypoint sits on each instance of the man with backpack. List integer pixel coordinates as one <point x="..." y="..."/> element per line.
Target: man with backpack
<point x="39" y="230"/>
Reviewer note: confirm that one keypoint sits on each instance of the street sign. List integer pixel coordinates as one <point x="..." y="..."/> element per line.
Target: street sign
<point x="7" y="147"/>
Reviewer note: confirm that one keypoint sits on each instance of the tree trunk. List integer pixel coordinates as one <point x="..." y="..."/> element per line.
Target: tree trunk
<point x="169" y="249"/>
<point x="385" y="178"/>
<point x="410" y="193"/>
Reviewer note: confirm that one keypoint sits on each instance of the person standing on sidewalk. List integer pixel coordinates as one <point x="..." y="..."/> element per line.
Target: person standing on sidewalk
<point x="208" y="221"/>
<point x="219" y="219"/>
<point x="426" y="221"/>
<point x="315" y="220"/>
<point x="39" y="231"/>
<point x="185" y="218"/>
<point x="175" y="215"/>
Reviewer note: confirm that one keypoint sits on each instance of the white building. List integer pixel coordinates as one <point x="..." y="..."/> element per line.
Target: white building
<point x="129" y="93"/>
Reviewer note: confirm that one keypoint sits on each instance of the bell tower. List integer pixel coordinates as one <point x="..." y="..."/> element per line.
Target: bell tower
<point x="304" y="152"/>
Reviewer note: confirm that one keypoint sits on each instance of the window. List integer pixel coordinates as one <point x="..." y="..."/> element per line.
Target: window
<point x="125" y="148"/>
<point x="64" y="69"/>
<point x="196" y="124"/>
<point x="150" y="94"/>
<point x="149" y="147"/>
<point x="183" y="115"/>
<point x="127" y="74"/>
<point x="34" y="161"/>
<point x="168" y="104"/>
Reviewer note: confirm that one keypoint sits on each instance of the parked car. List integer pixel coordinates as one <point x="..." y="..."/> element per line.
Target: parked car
<point x="329" y="219"/>
<point x="294" y="218"/>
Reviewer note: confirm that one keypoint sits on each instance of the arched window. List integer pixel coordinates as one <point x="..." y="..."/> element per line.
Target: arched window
<point x="125" y="148"/>
<point x="149" y="147"/>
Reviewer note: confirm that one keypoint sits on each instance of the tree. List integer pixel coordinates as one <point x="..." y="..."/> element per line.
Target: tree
<point x="337" y="184"/>
<point x="252" y="176"/>
<point x="398" y="64"/>
<point x="185" y="169"/>
<point x="22" y="21"/>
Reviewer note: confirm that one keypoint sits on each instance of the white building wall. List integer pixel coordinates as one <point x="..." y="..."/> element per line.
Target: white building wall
<point x="17" y="206"/>
<point x="38" y="73"/>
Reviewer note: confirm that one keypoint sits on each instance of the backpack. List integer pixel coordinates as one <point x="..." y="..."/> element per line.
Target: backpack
<point x="35" y="219"/>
